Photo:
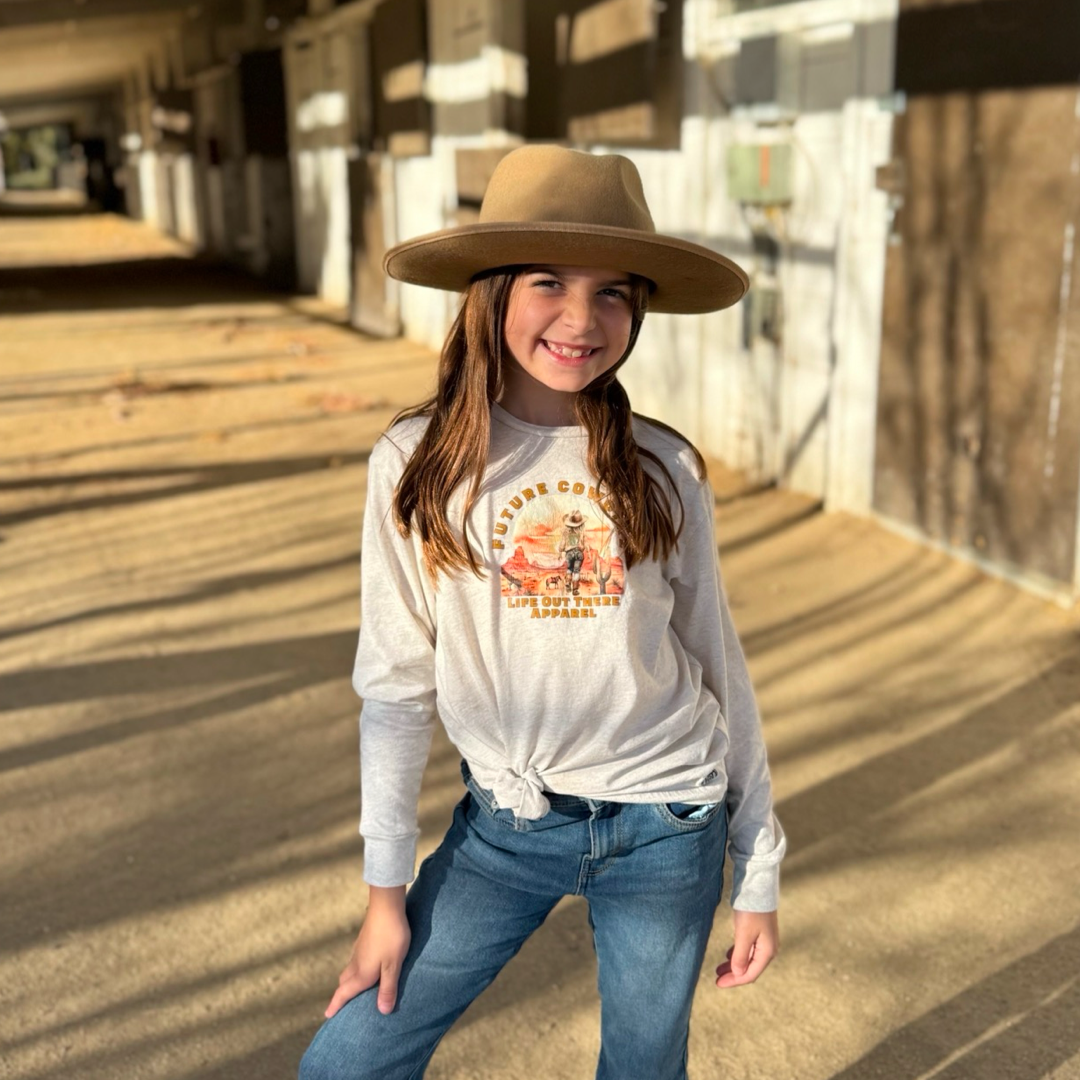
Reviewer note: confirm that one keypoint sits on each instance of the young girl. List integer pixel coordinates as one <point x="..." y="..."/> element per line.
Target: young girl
<point x="540" y="565"/>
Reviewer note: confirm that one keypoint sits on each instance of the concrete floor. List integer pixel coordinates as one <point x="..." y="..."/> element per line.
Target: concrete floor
<point x="182" y="477"/>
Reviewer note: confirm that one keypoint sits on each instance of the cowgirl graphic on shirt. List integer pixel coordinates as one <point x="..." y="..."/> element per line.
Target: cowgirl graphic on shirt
<point x="573" y="545"/>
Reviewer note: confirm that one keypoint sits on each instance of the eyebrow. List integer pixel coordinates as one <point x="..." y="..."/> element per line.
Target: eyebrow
<point x="555" y="273"/>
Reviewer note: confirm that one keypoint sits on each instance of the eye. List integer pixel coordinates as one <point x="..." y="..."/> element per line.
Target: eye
<point x="619" y="293"/>
<point x="543" y="282"/>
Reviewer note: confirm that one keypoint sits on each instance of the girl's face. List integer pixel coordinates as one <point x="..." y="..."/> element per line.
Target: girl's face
<point x="555" y="312"/>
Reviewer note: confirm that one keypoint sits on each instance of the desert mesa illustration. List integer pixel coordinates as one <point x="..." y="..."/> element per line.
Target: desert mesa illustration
<point x="558" y="544"/>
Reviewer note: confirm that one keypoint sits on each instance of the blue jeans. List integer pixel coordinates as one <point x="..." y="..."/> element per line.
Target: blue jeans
<point x="652" y="875"/>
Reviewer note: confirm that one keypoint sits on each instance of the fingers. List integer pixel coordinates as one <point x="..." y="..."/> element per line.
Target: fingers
<point x="347" y="989"/>
<point x="756" y="943"/>
<point x="741" y="953"/>
<point x="732" y="975"/>
<point x="388" y="981"/>
<point x="353" y="983"/>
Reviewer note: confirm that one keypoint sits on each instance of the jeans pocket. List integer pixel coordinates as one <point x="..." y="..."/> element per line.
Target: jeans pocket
<point x="484" y="800"/>
<point x="689" y="811"/>
<point x="689" y="815"/>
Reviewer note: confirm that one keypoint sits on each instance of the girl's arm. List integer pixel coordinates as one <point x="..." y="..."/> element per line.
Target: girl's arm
<point x="394" y="673"/>
<point x="702" y="621"/>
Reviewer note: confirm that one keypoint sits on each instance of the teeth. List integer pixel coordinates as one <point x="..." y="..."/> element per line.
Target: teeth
<point x="572" y="354"/>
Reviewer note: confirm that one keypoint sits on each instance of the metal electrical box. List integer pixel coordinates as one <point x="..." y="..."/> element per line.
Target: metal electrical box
<point x="761" y="173"/>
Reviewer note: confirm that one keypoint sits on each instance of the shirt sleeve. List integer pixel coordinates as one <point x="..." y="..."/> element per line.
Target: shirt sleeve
<point x="394" y="674"/>
<point x="702" y="621"/>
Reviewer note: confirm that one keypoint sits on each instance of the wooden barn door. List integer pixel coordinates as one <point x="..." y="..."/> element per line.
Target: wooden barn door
<point x="978" y="436"/>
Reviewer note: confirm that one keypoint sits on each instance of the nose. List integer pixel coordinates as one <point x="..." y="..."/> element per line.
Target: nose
<point x="579" y="312"/>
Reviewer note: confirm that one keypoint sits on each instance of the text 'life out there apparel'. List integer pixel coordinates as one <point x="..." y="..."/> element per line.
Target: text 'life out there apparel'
<point x="562" y="670"/>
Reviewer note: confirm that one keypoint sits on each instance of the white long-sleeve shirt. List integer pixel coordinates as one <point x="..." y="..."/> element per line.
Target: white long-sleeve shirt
<point x="633" y="689"/>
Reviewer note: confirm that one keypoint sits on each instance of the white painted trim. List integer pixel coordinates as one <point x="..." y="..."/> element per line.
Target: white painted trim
<point x="388" y="190"/>
<point x="324" y="109"/>
<point x="856" y="331"/>
<point x="1060" y="348"/>
<point x="708" y="32"/>
<point x="828" y="33"/>
<point x="495" y="70"/>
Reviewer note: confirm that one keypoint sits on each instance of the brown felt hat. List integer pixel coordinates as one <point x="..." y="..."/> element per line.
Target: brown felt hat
<point x="550" y="204"/>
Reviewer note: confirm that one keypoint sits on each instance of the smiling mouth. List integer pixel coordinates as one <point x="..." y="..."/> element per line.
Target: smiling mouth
<point x="567" y="353"/>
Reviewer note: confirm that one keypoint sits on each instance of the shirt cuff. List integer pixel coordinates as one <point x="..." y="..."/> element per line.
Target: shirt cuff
<point x="755" y="886"/>
<point x="389" y="861"/>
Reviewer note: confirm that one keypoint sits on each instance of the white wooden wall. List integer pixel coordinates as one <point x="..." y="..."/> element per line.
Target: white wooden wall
<point x="804" y="411"/>
<point x="317" y="84"/>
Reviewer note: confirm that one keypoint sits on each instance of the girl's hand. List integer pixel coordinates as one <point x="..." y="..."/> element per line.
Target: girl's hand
<point x="757" y="941"/>
<point x="378" y="953"/>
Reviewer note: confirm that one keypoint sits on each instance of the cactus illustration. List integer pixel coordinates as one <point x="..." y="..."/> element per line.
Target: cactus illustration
<point x="602" y="576"/>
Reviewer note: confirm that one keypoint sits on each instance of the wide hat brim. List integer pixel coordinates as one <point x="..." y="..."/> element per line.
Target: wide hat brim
<point x="689" y="278"/>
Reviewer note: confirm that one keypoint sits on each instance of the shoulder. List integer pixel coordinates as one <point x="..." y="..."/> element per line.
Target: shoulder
<point x="687" y="473"/>
<point x="672" y="448"/>
<point x="395" y="446"/>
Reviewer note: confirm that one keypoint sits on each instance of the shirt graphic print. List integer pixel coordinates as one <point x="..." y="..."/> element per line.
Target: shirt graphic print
<point x="558" y="552"/>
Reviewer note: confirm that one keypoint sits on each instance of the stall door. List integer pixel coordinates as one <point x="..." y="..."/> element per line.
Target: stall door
<point x="978" y="440"/>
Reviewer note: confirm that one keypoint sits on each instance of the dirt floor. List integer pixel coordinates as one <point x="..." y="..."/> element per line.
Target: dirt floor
<point x="182" y="474"/>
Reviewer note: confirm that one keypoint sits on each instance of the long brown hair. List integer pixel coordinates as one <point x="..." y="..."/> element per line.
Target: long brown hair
<point x="454" y="446"/>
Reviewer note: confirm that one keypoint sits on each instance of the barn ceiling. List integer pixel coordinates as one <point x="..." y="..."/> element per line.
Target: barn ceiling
<point x="52" y="49"/>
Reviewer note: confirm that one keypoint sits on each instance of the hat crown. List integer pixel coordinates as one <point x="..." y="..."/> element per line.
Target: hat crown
<point x="556" y="184"/>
